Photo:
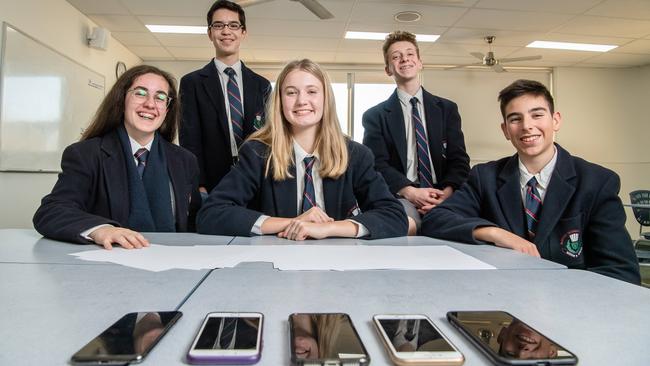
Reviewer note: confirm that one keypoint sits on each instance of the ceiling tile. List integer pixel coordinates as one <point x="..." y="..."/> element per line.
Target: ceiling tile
<point x="551" y="55"/>
<point x="603" y="26"/>
<point x="370" y="13"/>
<point x="579" y="38"/>
<point x="274" y="27"/>
<point x="87" y="7"/>
<point x="136" y="38"/>
<point x="290" y="10"/>
<point x="455" y="49"/>
<point x="184" y="40"/>
<point x="555" y="6"/>
<point x="634" y="9"/>
<point x="476" y="36"/>
<point x="169" y="8"/>
<point x="197" y="21"/>
<point x="151" y="53"/>
<point x="621" y="59"/>
<point x="641" y="46"/>
<point x="292" y="43"/>
<point x="512" y="20"/>
<point x="119" y="23"/>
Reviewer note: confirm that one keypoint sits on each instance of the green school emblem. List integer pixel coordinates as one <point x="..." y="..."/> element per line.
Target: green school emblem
<point x="258" y="123"/>
<point x="572" y="243"/>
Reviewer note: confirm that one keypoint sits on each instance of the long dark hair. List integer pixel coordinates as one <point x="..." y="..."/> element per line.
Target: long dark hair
<point x="110" y="114"/>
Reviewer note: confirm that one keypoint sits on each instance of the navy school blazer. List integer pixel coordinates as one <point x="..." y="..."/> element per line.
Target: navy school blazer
<point x="204" y="122"/>
<point x="385" y="135"/>
<point x="582" y="223"/>
<point x="93" y="189"/>
<point x="246" y="193"/>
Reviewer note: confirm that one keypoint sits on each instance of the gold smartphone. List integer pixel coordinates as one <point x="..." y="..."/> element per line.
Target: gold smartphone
<point x="415" y="340"/>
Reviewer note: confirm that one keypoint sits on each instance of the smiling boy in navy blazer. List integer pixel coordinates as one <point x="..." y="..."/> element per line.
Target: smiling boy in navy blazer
<point x="541" y="201"/>
<point x="419" y="151"/>
<point x="209" y="125"/>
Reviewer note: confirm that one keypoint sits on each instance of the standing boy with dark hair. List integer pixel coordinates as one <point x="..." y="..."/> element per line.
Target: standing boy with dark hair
<point x="416" y="136"/>
<point x="541" y="201"/>
<point x="223" y="102"/>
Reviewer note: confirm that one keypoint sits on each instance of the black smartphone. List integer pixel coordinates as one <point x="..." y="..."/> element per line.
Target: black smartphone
<point x="507" y="340"/>
<point x="128" y="340"/>
<point x="325" y="339"/>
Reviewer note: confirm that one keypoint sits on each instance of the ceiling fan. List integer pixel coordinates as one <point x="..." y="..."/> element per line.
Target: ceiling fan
<point x="312" y="5"/>
<point x="493" y="62"/>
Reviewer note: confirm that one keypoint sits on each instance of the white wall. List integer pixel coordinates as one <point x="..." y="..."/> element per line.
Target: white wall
<point x="604" y="121"/>
<point x="58" y="25"/>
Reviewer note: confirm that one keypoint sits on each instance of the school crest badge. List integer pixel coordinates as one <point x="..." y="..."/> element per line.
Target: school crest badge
<point x="258" y="122"/>
<point x="571" y="243"/>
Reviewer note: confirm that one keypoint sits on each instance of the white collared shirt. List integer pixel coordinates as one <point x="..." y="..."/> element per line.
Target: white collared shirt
<point x="223" y="78"/>
<point x="299" y="155"/>
<point x="543" y="177"/>
<point x="409" y="129"/>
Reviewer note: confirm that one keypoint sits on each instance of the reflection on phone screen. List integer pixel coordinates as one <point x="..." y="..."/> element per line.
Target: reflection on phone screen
<point x="229" y="333"/>
<point x="412" y="335"/>
<point x="509" y="337"/>
<point x="325" y="336"/>
<point x="129" y="338"/>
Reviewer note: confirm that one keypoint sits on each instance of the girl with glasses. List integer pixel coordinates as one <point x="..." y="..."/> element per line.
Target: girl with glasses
<point x="125" y="176"/>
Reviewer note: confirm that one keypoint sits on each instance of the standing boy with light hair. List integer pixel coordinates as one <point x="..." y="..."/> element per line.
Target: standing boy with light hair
<point x="415" y="136"/>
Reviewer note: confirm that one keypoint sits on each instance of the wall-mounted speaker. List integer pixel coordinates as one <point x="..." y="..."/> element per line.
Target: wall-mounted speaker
<point x="98" y="38"/>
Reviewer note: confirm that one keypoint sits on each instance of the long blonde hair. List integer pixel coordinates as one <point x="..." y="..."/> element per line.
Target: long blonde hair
<point x="331" y="145"/>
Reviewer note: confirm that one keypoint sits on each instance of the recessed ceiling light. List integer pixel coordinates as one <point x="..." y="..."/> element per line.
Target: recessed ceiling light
<point x="185" y="29"/>
<point x="572" y="46"/>
<point x="408" y="16"/>
<point x="382" y="36"/>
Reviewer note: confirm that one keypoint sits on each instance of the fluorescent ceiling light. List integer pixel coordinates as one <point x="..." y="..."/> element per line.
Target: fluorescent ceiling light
<point x="186" y="29"/>
<point x="381" y="36"/>
<point x="572" y="46"/>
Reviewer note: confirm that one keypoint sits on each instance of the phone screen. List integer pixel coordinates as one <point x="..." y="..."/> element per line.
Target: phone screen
<point x="508" y="338"/>
<point x="320" y="337"/>
<point x="229" y="333"/>
<point x="128" y="339"/>
<point x="414" y="335"/>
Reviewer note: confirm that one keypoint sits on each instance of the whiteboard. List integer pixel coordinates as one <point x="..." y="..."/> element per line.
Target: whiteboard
<point x="46" y="100"/>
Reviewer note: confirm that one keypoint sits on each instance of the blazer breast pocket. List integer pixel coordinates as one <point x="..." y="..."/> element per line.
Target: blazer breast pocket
<point x="567" y="246"/>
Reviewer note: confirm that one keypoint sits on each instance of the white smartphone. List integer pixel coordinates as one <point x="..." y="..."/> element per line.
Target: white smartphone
<point x="228" y="338"/>
<point x="415" y="340"/>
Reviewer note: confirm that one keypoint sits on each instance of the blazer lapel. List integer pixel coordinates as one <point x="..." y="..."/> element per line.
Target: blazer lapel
<point x="115" y="177"/>
<point x="284" y="195"/>
<point x="212" y="87"/>
<point x="560" y="190"/>
<point x="433" y="118"/>
<point x="249" y="100"/>
<point x="395" y="120"/>
<point x="333" y="197"/>
<point x="176" y="171"/>
<point x="509" y="195"/>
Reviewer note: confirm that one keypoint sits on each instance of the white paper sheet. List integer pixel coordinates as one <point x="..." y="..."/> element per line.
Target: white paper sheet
<point x="290" y="257"/>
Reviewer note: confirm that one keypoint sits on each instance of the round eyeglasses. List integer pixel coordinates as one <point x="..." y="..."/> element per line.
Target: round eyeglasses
<point x="161" y="99"/>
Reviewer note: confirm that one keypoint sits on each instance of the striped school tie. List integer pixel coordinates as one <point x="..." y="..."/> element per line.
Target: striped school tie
<point x="236" y="110"/>
<point x="308" y="195"/>
<point x="424" y="161"/>
<point x="533" y="207"/>
<point x="141" y="156"/>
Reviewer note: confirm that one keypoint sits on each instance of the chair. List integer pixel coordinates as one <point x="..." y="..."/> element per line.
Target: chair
<point x="642" y="216"/>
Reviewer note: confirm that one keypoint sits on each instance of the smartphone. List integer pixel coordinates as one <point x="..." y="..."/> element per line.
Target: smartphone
<point x="228" y="338"/>
<point x="325" y="339"/>
<point x="507" y="340"/>
<point x="415" y="340"/>
<point x="128" y="340"/>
